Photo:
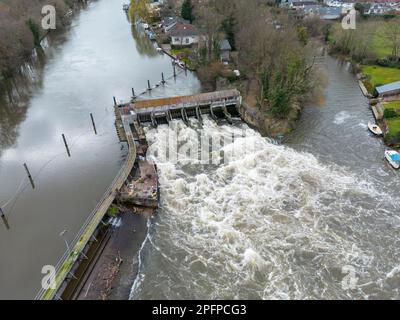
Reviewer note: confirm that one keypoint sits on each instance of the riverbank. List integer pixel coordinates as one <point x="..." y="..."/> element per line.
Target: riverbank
<point x="68" y="188"/>
<point x="27" y="33"/>
<point x="383" y="107"/>
<point x="375" y="59"/>
<point x="314" y="198"/>
<point x="116" y="266"/>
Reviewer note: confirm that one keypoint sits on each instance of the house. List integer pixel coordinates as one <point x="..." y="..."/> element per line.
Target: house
<point x="389" y="89"/>
<point x="301" y="4"/>
<point x="296" y="4"/>
<point x="378" y="9"/>
<point x="345" y="5"/>
<point x="225" y="50"/>
<point x="325" y="13"/>
<point x="184" y="34"/>
<point x="170" y="22"/>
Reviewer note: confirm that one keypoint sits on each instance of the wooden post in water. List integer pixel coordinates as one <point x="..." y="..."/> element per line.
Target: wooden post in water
<point x="133" y="93"/>
<point x="162" y="78"/>
<point x="66" y="145"/>
<point x="115" y="101"/>
<point x="29" y="176"/>
<point x="148" y="85"/>
<point x="94" y="125"/>
<point x="174" y="70"/>
<point x="3" y="217"/>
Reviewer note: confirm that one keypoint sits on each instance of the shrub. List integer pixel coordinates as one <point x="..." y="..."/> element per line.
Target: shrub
<point x="389" y="62"/>
<point x="393" y="139"/>
<point x="34" y="27"/>
<point x="368" y="85"/>
<point x="390" y="113"/>
<point x="113" y="211"/>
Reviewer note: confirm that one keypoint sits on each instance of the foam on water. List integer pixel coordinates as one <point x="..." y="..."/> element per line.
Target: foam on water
<point x="341" y="117"/>
<point x="269" y="223"/>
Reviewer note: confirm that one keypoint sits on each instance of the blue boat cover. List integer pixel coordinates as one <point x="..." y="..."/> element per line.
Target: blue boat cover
<point x="395" y="157"/>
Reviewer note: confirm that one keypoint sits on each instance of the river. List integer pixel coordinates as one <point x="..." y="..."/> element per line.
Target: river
<point x="316" y="217"/>
<point x="79" y="73"/>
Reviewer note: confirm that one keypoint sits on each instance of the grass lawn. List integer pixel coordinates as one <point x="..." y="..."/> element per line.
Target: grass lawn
<point x="380" y="45"/>
<point x="392" y="105"/>
<point x="381" y="75"/>
<point x="394" y="126"/>
<point x="185" y="51"/>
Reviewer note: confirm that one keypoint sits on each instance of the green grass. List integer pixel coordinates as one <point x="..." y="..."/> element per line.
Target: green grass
<point x="394" y="126"/>
<point x="113" y="211"/>
<point x="380" y="45"/>
<point x="187" y="51"/>
<point x="374" y="29"/>
<point x="392" y="105"/>
<point x="381" y="75"/>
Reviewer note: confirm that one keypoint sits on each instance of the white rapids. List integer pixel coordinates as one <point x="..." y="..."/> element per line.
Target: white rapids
<point x="268" y="223"/>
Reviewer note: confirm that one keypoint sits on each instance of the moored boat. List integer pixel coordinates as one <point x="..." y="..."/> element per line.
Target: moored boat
<point x="375" y="129"/>
<point x="393" y="157"/>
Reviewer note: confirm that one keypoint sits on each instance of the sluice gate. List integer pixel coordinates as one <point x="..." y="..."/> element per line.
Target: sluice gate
<point x="220" y="104"/>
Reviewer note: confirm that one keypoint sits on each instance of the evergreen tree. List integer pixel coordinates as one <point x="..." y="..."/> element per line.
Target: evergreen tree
<point x="33" y="26"/>
<point x="187" y="10"/>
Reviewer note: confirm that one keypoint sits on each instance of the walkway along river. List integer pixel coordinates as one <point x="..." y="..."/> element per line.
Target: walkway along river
<point x="279" y="222"/>
<point x="98" y="58"/>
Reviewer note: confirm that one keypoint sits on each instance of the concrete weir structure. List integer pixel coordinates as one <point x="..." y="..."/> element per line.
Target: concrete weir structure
<point x="79" y="272"/>
<point x="156" y="111"/>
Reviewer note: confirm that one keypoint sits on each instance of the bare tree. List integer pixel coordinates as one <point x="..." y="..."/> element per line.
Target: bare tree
<point x="392" y="34"/>
<point x="209" y="21"/>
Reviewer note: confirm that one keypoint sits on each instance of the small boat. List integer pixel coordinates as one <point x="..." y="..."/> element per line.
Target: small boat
<point x="375" y="129"/>
<point x="393" y="157"/>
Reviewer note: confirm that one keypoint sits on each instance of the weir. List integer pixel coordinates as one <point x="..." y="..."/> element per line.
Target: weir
<point x="217" y="104"/>
<point x="76" y="264"/>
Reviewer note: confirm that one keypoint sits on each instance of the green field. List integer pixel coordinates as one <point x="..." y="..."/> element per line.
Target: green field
<point x="380" y="45"/>
<point x="393" y="136"/>
<point x="392" y="105"/>
<point x="394" y="126"/>
<point x="381" y="75"/>
<point x="370" y="37"/>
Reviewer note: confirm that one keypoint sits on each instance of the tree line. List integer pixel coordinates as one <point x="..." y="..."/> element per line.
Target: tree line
<point x="21" y="31"/>
<point x="273" y="47"/>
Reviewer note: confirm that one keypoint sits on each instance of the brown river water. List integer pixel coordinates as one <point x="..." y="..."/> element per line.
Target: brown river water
<point x="79" y="73"/>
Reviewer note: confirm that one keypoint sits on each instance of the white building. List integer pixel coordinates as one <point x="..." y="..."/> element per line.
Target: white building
<point x="183" y="34"/>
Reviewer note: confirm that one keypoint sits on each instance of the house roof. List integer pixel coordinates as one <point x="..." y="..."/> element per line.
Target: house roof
<point x="225" y="45"/>
<point x="184" y="30"/>
<point x="169" y="21"/>
<point x="324" y="11"/>
<point x="303" y="3"/>
<point x="388" y="87"/>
